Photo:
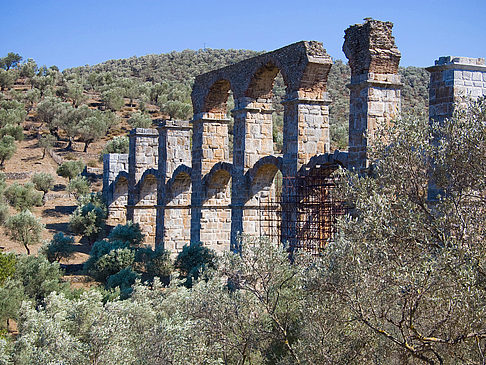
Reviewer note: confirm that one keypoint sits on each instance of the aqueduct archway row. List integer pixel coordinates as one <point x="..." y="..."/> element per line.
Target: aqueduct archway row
<point x="178" y="181"/>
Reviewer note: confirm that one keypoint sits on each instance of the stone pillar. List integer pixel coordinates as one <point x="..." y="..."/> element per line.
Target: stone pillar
<point x="454" y="80"/>
<point x="305" y="134"/>
<point x="209" y="146"/>
<point x="252" y="140"/>
<point x="115" y="196"/>
<point x="174" y="150"/>
<point x="375" y="84"/>
<point x="143" y="155"/>
<point x="113" y="164"/>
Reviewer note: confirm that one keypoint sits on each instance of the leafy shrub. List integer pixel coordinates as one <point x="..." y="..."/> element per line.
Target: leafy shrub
<point x="70" y="169"/>
<point x="116" y="145"/>
<point x="140" y="120"/>
<point x="43" y="181"/>
<point x="7" y="148"/>
<point x="16" y="131"/>
<point x="124" y="280"/>
<point x="23" y="197"/>
<point x="60" y="247"/>
<point x="112" y="262"/>
<point x="79" y="186"/>
<point x="25" y="228"/>
<point x="159" y="264"/>
<point x="39" y="277"/>
<point x="88" y="220"/>
<point x="193" y="261"/>
<point x="130" y="233"/>
<point x="3" y="213"/>
<point x="7" y="266"/>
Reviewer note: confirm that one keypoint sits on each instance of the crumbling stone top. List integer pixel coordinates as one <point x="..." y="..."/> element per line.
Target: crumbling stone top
<point x="370" y="48"/>
<point x="304" y="67"/>
<point x="458" y="63"/>
<point x="445" y="60"/>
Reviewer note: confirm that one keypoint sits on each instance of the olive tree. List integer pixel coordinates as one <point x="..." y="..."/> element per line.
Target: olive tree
<point x="25" y="228"/>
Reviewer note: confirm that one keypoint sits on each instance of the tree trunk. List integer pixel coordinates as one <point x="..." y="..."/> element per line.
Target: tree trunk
<point x="27" y="248"/>
<point x="86" y="144"/>
<point x="69" y="147"/>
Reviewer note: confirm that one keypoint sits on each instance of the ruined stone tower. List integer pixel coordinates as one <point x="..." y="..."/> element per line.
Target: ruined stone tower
<point x="374" y="87"/>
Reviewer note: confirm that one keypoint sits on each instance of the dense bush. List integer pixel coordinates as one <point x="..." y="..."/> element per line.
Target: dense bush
<point x="60" y="247"/>
<point x="70" y="169"/>
<point x="24" y="228"/>
<point x="79" y="186"/>
<point x="116" y="145"/>
<point x="193" y="261"/>
<point x="43" y="181"/>
<point x="23" y="197"/>
<point x="88" y="220"/>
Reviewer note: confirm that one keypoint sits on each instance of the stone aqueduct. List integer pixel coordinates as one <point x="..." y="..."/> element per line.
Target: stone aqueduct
<point x="177" y="180"/>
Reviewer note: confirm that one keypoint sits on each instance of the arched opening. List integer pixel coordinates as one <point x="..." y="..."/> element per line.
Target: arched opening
<point x="178" y="212"/>
<point x="117" y="209"/>
<point x="262" y="210"/>
<point x="216" y="212"/>
<point x="145" y="210"/>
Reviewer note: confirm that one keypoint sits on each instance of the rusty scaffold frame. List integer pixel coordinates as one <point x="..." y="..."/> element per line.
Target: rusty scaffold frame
<point x="304" y="211"/>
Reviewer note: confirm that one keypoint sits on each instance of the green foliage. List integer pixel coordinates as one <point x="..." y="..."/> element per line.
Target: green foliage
<point x="60" y="247"/>
<point x="130" y="233"/>
<point x="116" y="145"/>
<point x="23" y="197"/>
<point x="24" y="228"/>
<point x="124" y="280"/>
<point x="4" y="213"/>
<point x="7" y="148"/>
<point x="113" y="98"/>
<point x="158" y="264"/>
<point x="7" y="79"/>
<point x="11" y="60"/>
<point x="111" y="263"/>
<point x="79" y="186"/>
<point x="46" y="142"/>
<point x="91" y="129"/>
<point x="193" y="261"/>
<point x="7" y="266"/>
<point x="43" y="181"/>
<point x="140" y="120"/>
<point x="88" y="220"/>
<point x="15" y="131"/>
<point x="70" y="169"/>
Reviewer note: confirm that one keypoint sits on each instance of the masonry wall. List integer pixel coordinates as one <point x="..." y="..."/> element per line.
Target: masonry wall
<point x="455" y="81"/>
<point x="115" y="191"/>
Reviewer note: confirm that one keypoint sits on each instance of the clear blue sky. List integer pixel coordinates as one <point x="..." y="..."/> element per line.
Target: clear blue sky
<point x="70" y="33"/>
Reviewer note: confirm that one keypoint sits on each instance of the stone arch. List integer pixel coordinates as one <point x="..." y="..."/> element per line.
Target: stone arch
<point x="179" y="186"/>
<point x="177" y="209"/>
<point x="147" y="188"/>
<point x="216" y="207"/>
<point x="145" y="211"/>
<point x="119" y="200"/>
<point x="337" y="159"/>
<point x="216" y="98"/>
<point x="262" y="81"/>
<point x="216" y="184"/>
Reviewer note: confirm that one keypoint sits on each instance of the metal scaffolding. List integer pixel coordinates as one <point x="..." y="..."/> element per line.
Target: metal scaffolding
<point x="304" y="211"/>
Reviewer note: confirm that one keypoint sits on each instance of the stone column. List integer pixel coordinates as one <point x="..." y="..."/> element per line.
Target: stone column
<point x="305" y="134"/>
<point x="453" y="81"/>
<point x="375" y="85"/>
<point x="143" y="155"/>
<point x="115" y="196"/>
<point x="174" y="150"/>
<point x="252" y="140"/>
<point x="209" y="146"/>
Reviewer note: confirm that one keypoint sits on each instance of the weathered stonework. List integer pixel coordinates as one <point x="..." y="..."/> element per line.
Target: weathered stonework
<point x="179" y="182"/>
<point x="375" y="85"/>
<point x="454" y="81"/>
